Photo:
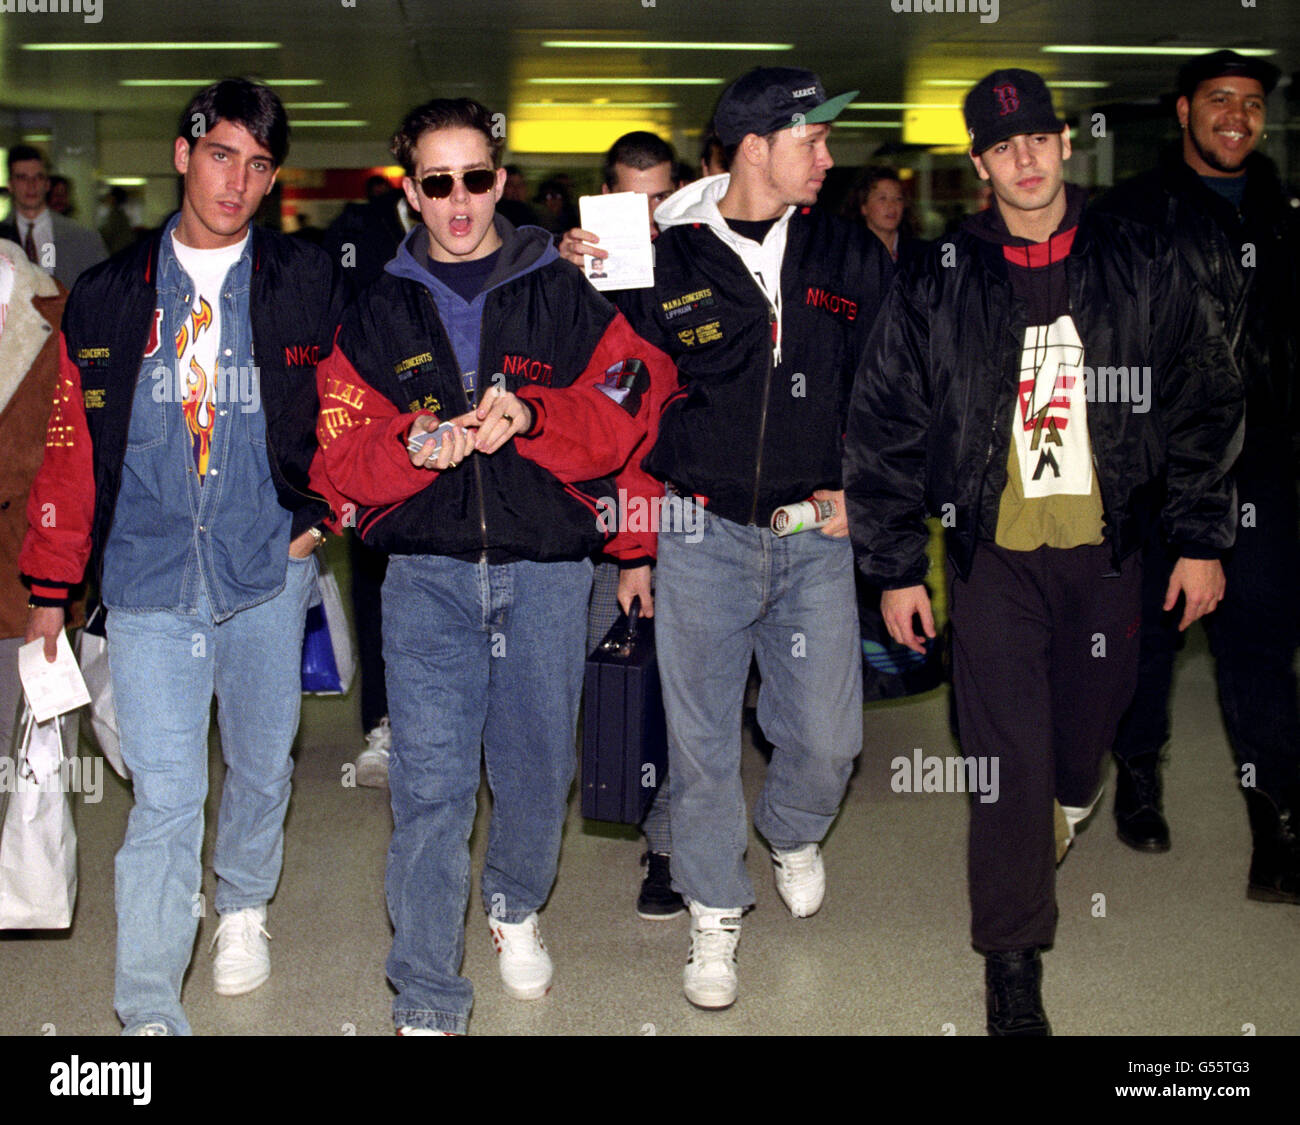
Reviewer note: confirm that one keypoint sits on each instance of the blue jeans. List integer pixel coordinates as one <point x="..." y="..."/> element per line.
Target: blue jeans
<point x="790" y="603"/>
<point x="165" y="669"/>
<point x="477" y="656"/>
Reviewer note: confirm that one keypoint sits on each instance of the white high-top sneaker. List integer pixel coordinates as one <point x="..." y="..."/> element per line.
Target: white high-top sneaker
<point x="710" y="977"/>
<point x="243" y="960"/>
<point x="526" y="968"/>
<point x="800" y="879"/>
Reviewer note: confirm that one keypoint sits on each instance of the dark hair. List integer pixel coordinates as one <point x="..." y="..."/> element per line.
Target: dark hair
<point x="639" y="151"/>
<point x="729" y="151"/>
<point x="443" y="113"/>
<point x="240" y="102"/>
<point x="862" y="189"/>
<point x="19" y="153"/>
<point x="552" y="186"/>
<point x="709" y="144"/>
<point x="117" y="195"/>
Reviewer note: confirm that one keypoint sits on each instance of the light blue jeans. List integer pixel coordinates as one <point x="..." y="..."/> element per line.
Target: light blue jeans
<point x="165" y="669"/>
<point x="484" y="663"/>
<point x="791" y="604"/>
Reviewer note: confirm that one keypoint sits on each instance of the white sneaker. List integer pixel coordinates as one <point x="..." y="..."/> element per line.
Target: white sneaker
<point x="406" y="1030"/>
<point x="372" y="762"/>
<point x="800" y="879"/>
<point x="1072" y="818"/>
<point x="710" y="978"/>
<point x="526" y="968"/>
<point x="243" y="960"/>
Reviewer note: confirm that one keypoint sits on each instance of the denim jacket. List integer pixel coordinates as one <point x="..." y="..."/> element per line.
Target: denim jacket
<point x="173" y="537"/>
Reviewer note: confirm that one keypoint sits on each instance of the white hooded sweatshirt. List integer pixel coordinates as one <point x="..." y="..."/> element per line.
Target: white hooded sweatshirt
<point x="698" y="203"/>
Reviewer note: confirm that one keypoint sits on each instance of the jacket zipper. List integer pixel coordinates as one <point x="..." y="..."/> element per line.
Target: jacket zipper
<point x="762" y="418"/>
<point x="460" y="378"/>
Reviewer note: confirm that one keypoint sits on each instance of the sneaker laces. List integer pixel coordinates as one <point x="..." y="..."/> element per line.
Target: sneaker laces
<point x="798" y="866"/>
<point x="1016" y="992"/>
<point x="714" y="943"/>
<point x="380" y="736"/>
<point x="245" y="922"/>
<point x="527" y="940"/>
<point x="658" y="869"/>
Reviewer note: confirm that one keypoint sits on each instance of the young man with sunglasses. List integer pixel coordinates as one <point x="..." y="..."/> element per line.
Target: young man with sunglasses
<point x="176" y="466"/>
<point x="537" y="392"/>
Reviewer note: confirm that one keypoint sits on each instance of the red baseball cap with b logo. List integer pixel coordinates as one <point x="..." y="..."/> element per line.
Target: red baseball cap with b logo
<point x="1006" y="103"/>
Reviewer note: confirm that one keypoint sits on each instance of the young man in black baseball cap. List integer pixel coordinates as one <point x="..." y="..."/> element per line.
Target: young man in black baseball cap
<point x="1220" y="203"/>
<point x="979" y="397"/>
<point x="765" y="303"/>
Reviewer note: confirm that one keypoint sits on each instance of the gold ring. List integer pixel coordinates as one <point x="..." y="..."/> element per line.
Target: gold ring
<point x="508" y="417"/>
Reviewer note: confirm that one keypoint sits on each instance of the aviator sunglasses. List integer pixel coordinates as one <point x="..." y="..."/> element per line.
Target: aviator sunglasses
<point x="477" y="181"/>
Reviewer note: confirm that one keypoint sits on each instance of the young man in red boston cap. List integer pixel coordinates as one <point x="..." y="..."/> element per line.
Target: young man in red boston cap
<point x="981" y="397"/>
<point x="765" y="304"/>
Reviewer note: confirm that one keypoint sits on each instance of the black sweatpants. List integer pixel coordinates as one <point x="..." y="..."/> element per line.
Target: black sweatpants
<point x="1045" y="650"/>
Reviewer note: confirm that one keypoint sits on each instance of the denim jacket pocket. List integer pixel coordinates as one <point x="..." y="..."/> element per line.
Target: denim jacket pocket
<point x="148" y="427"/>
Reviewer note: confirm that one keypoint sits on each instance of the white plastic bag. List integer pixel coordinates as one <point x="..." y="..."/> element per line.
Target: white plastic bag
<point x="92" y="655"/>
<point x="38" y="843"/>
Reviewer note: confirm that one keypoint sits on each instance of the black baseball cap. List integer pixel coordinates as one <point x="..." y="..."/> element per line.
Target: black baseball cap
<point x="769" y="98"/>
<point x="1007" y="103"/>
<point x="1217" y="64"/>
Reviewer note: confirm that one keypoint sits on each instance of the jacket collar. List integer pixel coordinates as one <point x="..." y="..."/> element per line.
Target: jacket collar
<point x="27" y="326"/>
<point x="523" y="249"/>
<point x="148" y="249"/>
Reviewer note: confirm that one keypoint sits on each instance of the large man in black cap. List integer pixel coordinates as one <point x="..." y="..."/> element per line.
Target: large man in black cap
<point x="1220" y="203"/>
<point x="764" y="303"/>
<point x="990" y="395"/>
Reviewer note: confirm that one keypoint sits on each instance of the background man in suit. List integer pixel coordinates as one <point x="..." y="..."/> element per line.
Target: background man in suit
<point x="58" y="245"/>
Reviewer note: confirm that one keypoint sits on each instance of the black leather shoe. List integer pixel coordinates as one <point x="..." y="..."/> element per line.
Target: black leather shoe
<point x="1013" y="994"/>
<point x="657" y="901"/>
<point x="1139" y="821"/>
<point x="1275" y="862"/>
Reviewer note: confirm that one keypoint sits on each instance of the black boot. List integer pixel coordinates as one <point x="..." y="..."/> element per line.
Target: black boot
<point x="1013" y="993"/>
<point x="657" y="901"/>
<point x="1275" y="862"/>
<point x="1139" y="821"/>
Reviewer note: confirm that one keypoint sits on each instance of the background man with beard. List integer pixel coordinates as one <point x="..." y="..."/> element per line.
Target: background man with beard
<point x="1220" y="203"/>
